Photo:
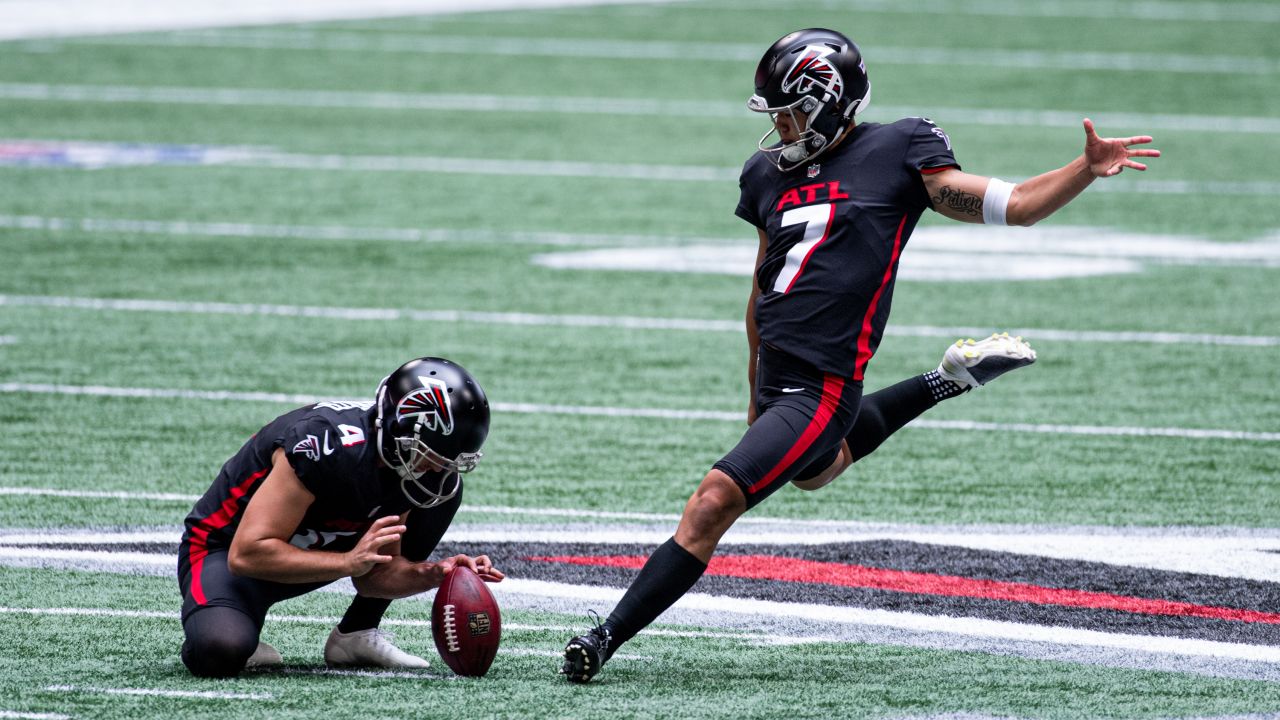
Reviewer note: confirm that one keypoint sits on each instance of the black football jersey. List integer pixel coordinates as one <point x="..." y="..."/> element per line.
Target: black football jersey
<point x="836" y="229"/>
<point x="331" y="447"/>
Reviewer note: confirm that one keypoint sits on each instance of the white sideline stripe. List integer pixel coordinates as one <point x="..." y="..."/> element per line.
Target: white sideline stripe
<point x="8" y="339"/>
<point x="33" y="716"/>
<point x="154" y="692"/>
<point x="1246" y="12"/>
<point x="606" y="321"/>
<point x="657" y="413"/>
<point x="106" y="154"/>
<point x="619" y="49"/>
<point x="346" y="99"/>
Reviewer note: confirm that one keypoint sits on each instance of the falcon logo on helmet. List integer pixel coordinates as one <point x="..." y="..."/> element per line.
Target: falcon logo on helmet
<point x="430" y="404"/>
<point x="812" y="69"/>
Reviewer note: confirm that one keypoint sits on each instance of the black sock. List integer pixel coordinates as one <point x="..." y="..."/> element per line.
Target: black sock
<point x="363" y="614"/>
<point x="669" y="573"/>
<point x="885" y="411"/>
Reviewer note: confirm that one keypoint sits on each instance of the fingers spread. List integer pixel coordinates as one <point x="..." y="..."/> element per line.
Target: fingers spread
<point x="383" y="522"/>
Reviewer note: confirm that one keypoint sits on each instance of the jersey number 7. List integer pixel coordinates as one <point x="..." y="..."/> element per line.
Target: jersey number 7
<point x="817" y="221"/>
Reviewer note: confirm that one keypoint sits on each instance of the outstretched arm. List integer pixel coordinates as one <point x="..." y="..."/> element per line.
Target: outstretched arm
<point x="961" y="196"/>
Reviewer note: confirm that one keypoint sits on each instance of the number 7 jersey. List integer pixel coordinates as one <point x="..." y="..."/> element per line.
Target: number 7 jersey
<point x="836" y="229"/>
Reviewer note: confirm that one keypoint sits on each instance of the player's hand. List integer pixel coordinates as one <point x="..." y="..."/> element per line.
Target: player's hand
<point x="1109" y="156"/>
<point x="480" y="565"/>
<point x="368" y="552"/>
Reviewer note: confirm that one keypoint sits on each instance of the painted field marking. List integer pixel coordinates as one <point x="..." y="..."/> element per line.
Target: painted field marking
<point x="32" y="715"/>
<point x="343" y="233"/>
<point x="702" y="51"/>
<point x="624" y="322"/>
<point x="825" y="614"/>
<point x="1223" y="552"/>
<point x="154" y="692"/>
<point x="631" y="107"/>
<point x="390" y="622"/>
<point x="8" y="339"/>
<point x="952" y="239"/>
<point x="43" y="19"/>
<point x="61" y="154"/>
<point x="1244" y="12"/>
<point x="655" y="413"/>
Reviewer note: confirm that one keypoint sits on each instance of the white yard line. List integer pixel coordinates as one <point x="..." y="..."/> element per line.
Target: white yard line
<point x="154" y="692"/>
<point x="342" y="233"/>
<point x="93" y="155"/>
<point x="655" y="413"/>
<point x="1176" y="10"/>
<point x="460" y="102"/>
<point x="624" y="322"/>
<point x="390" y="622"/>
<point x="32" y="716"/>
<point x="703" y="51"/>
<point x="830" y="617"/>
<point x="62" y="18"/>
<point x="1223" y="552"/>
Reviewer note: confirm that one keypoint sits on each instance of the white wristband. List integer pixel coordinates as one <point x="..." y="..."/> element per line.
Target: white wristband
<point x="996" y="202"/>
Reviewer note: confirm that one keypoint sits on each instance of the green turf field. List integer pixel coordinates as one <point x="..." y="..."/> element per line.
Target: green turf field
<point x="354" y="247"/>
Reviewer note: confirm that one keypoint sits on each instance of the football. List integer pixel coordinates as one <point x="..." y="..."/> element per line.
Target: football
<point x="465" y="623"/>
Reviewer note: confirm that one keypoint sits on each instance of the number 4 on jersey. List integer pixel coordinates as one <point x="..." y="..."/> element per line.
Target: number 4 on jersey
<point x="817" y="226"/>
<point x="351" y="435"/>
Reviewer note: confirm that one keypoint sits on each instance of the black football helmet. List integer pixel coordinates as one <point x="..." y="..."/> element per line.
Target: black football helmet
<point x="432" y="419"/>
<point x="816" y="72"/>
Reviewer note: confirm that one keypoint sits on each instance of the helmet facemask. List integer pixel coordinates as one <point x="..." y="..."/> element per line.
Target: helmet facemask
<point x="417" y="464"/>
<point x="818" y="123"/>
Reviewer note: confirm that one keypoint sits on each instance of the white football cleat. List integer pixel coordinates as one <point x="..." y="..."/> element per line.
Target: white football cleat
<point x="263" y="657"/>
<point x="367" y="648"/>
<point x="969" y="364"/>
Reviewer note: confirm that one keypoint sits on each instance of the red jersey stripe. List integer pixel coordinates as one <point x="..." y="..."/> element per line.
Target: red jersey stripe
<point x="864" y="337"/>
<point x="935" y="170"/>
<point x="221" y="518"/>
<point x="832" y="386"/>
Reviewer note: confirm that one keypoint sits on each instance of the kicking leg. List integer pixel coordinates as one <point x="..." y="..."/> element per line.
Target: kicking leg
<point x="965" y="365"/>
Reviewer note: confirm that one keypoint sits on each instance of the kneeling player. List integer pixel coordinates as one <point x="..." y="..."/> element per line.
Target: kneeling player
<point x="332" y="490"/>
